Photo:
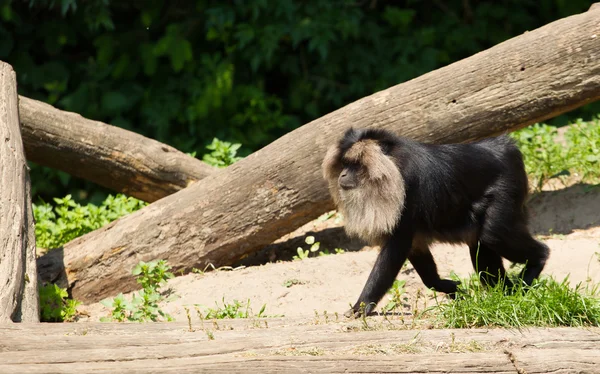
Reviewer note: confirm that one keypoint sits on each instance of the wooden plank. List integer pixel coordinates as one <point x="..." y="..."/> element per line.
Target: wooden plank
<point x="239" y="345"/>
<point x="558" y="361"/>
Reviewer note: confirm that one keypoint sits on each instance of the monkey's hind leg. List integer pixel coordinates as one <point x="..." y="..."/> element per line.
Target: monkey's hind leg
<point x="525" y="249"/>
<point x="421" y="259"/>
<point x="488" y="264"/>
<point x="517" y="245"/>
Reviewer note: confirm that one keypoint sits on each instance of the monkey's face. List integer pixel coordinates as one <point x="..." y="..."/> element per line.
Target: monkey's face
<point x="349" y="177"/>
<point x="367" y="187"/>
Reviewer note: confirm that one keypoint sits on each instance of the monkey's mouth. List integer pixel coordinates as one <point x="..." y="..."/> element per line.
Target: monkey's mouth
<point x="347" y="186"/>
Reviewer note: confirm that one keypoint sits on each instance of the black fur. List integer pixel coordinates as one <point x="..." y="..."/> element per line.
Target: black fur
<point x="473" y="193"/>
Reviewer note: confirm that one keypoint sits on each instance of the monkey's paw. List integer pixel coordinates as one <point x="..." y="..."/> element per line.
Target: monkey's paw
<point x="360" y="309"/>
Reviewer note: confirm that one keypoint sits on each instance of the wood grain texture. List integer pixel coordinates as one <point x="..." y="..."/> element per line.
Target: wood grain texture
<point x="255" y="201"/>
<point x="107" y="155"/>
<point x="242" y="346"/>
<point x="18" y="274"/>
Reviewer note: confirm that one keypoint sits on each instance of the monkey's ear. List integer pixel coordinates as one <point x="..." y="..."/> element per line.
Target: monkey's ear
<point x="350" y="137"/>
<point x="350" y="133"/>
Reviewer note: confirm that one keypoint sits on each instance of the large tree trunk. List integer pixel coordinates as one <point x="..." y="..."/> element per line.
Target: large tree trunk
<point x="248" y="205"/>
<point x="18" y="274"/>
<point x="110" y="156"/>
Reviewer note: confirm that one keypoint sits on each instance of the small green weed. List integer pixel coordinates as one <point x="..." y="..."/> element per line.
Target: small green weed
<point x="233" y="310"/>
<point x="292" y="282"/>
<point x="68" y="220"/>
<point x="325" y="252"/>
<point x="397" y="296"/>
<point x="546" y="303"/>
<point x="143" y="307"/>
<point x="223" y="153"/>
<point x="304" y="253"/>
<point x="55" y="305"/>
<point x="314" y="247"/>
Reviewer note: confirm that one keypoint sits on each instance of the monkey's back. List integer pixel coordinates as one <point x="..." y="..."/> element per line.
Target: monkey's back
<point x="450" y="186"/>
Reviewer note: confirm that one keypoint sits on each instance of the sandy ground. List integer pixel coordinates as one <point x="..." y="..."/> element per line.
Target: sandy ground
<point x="568" y="220"/>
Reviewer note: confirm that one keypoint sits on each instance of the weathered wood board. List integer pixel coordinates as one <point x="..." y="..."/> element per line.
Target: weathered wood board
<point x="277" y="345"/>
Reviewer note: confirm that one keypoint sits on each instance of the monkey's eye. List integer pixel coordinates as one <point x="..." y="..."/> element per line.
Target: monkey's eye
<point x="354" y="166"/>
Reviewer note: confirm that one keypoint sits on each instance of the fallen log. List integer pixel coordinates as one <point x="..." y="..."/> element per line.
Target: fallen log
<point x="18" y="274"/>
<point x="238" y="210"/>
<point x="107" y="155"/>
<point x="288" y="347"/>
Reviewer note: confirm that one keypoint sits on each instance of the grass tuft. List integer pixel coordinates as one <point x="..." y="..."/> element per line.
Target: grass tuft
<point x="547" y="303"/>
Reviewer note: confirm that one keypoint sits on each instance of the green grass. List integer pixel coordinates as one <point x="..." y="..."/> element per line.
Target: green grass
<point x="546" y="158"/>
<point x="547" y="303"/>
<point x="233" y="310"/>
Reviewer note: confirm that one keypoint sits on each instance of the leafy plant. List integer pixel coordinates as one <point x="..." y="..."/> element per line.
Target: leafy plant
<point x="314" y="247"/>
<point x="55" y="306"/>
<point x="583" y="152"/>
<point x="546" y="303"/>
<point x="68" y="220"/>
<point x="223" y="153"/>
<point x="142" y="307"/>
<point x="396" y="296"/>
<point x="292" y="282"/>
<point x="151" y="275"/>
<point x="304" y="253"/>
<point x="233" y="310"/>
<point x="325" y="252"/>
<point x="546" y="157"/>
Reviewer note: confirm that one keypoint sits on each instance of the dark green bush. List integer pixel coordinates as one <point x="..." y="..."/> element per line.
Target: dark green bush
<point x="184" y="72"/>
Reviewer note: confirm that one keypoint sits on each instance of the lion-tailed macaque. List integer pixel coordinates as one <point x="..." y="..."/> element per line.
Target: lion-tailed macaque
<point x="402" y="195"/>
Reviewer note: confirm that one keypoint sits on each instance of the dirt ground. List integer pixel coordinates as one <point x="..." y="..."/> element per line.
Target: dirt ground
<point x="568" y="220"/>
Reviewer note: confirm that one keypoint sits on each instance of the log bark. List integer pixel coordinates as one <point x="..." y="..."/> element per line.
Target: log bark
<point x="18" y="274"/>
<point x="238" y="210"/>
<point x="107" y="155"/>
<point x="248" y="346"/>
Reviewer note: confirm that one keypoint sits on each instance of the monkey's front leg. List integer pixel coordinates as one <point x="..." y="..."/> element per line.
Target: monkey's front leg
<point x="387" y="266"/>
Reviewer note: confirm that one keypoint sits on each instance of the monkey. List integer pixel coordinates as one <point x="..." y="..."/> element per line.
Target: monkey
<point x="402" y="195"/>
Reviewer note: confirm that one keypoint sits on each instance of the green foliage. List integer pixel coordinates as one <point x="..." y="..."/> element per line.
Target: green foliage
<point x="55" y="306"/>
<point x="546" y="303"/>
<point x="67" y="220"/>
<point x="304" y="253"/>
<point x="246" y="71"/>
<point x="397" y="296"/>
<point x="546" y="157"/>
<point x="152" y="275"/>
<point x="314" y="247"/>
<point x="142" y="307"/>
<point x="583" y="151"/>
<point x="236" y="309"/>
<point x="292" y="282"/>
<point x="223" y="153"/>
